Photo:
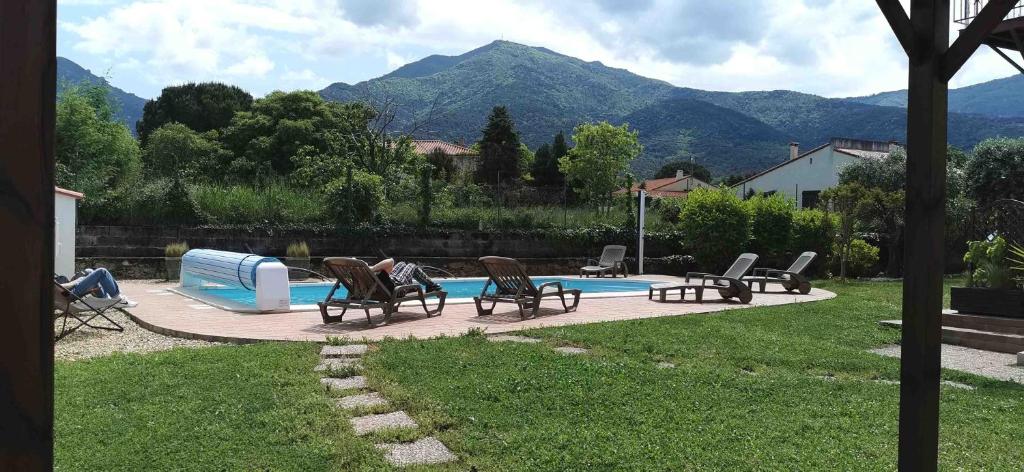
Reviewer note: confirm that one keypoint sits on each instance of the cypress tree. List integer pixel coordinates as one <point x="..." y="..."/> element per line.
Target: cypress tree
<point x="499" y="148"/>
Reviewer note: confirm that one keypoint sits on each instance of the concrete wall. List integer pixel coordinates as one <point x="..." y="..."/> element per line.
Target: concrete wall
<point x="65" y="207"/>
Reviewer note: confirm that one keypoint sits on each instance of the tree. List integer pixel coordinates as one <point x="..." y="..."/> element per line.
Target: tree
<point x="996" y="171"/>
<point x="559" y="148"/>
<point x="268" y="138"/>
<point x="175" y="149"/>
<point x="883" y="210"/>
<point x="201" y="107"/>
<point x="95" y="152"/>
<point x="499" y="148"/>
<point x="442" y="164"/>
<point x="545" y="164"/>
<point x="846" y="201"/>
<point x="602" y="153"/>
<point x="694" y="169"/>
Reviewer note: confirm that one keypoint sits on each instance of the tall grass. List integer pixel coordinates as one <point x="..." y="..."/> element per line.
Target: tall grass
<point x="273" y="203"/>
<point x="525" y="217"/>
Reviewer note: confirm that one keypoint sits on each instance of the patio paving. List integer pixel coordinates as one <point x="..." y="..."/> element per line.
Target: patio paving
<point x="176" y="315"/>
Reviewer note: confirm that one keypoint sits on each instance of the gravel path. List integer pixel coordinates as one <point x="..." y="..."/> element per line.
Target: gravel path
<point x="996" y="365"/>
<point x="88" y="342"/>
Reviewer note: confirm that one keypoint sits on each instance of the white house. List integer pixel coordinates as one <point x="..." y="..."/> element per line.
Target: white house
<point x="803" y="176"/>
<point x="65" y="209"/>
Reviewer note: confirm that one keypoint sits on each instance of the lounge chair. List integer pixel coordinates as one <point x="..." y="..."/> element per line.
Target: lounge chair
<point x="83" y="310"/>
<point x="790" y="279"/>
<point x="730" y="284"/>
<point x="367" y="291"/>
<point x="513" y="285"/>
<point x="611" y="260"/>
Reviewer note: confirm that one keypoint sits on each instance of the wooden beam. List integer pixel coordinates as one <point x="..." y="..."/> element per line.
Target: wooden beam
<point x="974" y="35"/>
<point x="1008" y="59"/>
<point x="28" y="78"/>
<point x="900" y="23"/>
<point x="925" y="233"/>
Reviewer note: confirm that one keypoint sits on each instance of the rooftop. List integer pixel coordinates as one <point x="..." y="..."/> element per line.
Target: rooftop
<point x="427" y="146"/>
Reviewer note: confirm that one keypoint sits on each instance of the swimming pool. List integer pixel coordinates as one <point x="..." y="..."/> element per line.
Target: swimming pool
<point x="305" y="296"/>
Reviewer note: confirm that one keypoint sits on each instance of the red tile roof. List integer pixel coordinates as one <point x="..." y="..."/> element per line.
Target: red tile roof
<point x="427" y="146"/>
<point x="654" y="185"/>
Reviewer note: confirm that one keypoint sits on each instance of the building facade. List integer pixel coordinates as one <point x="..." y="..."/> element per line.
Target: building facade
<point x="802" y="177"/>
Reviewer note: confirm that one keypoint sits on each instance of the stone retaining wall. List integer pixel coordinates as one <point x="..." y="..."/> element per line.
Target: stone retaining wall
<point x="154" y="268"/>
<point x="149" y="241"/>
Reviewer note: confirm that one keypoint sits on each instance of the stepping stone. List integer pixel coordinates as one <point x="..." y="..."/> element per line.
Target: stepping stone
<point x="336" y="363"/>
<point x="348" y="350"/>
<point x="665" y="365"/>
<point x="571" y="350"/>
<point x="365" y="400"/>
<point x="357" y="381"/>
<point x="370" y="423"/>
<point x="425" y="451"/>
<point x="513" y="338"/>
<point x="950" y="383"/>
<point x="888" y="382"/>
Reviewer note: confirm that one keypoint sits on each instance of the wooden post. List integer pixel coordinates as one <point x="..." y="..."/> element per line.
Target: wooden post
<point x="28" y="78"/>
<point x="925" y="235"/>
<point x="924" y="36"/>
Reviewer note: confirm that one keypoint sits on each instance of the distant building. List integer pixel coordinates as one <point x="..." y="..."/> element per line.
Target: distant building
<point x="803" y="176"/>
<point x="464" y="158"/>
<point x="678" y="186"/>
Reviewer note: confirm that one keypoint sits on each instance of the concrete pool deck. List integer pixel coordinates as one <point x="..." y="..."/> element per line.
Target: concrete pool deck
<point x="166" y="312"/>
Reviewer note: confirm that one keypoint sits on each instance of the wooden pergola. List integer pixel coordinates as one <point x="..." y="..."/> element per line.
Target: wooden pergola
<point x="27" y="101"/>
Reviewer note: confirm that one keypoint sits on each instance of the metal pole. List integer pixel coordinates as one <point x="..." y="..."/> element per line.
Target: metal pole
<point x="641" y="213"/>
<point x="925" y="230"/>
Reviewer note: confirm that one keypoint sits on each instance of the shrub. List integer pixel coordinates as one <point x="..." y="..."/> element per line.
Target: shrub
<point x="771" y="224"/>
<point x="160" y="201"/>
<point x="813" y="230"/>
<point x="175" y="249"/>
<point x="275" y="203"/>
<point x="716" y="224"/>
<point x="297" y="250"/>
<point x="358" y="204"/>
<point x="989" y="260"/>
<point x="863" y="259"/>
<point x="669" y="209"/>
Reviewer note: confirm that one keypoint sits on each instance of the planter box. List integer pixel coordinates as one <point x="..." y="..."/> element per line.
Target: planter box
<point x="987" y="301"/>
<point x="173" y="265"/>
<point x="300" y="262"/>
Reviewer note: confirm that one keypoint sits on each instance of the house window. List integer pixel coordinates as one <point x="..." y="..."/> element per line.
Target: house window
<point x="810" y="198"/>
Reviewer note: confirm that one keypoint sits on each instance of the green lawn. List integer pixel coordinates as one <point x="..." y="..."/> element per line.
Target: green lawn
<point x="772" y="388"/>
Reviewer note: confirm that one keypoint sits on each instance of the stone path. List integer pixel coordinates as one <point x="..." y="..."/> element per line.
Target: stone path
<point x="571" y="350"/>
<point x="423" y="451"/>
<point x="995" y="365"/>
<point x="371" y="423"/>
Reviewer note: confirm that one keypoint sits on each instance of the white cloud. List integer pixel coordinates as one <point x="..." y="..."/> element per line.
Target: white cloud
<point x="305" y="79"/>
<point x="828" y="47"/>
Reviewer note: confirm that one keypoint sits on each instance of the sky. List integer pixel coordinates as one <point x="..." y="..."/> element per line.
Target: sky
<point x="834" y="48"/>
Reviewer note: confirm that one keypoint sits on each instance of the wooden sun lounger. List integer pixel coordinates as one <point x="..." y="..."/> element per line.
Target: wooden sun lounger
<point x="513" y="285"/>
<point x="366" y="291"/>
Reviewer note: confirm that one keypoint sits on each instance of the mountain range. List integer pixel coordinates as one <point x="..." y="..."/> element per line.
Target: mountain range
<point x="127" y="106"/>
<point x="449" y="97"/>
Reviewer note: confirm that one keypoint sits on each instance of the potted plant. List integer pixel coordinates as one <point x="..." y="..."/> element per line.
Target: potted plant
<point x="172" y="259"/>
<point x="298" y="256"/>
<point x="991" y="288"/>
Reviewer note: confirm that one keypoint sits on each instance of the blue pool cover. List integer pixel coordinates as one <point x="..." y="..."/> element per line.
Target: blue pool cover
<point x="310" y="294"/>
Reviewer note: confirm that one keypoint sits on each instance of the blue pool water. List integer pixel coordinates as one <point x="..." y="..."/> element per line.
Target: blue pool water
<point x="310" y="294"/>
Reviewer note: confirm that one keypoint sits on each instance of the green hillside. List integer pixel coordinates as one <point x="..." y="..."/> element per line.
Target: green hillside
<point x="128" y="106"/>
<point x="999" y="98"/>
<point x="448" y="97"/>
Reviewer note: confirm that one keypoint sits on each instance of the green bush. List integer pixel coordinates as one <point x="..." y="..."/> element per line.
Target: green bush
<point x="716" y="224"/>
<point x="669" y="209"/>
<point x="771" y="225"/>
<point x="359" y="204"/>
<point x="159" y="201"/>
<point x="863" y="259"/>
<point x="813" y="230"/>
<point x="275" y="203"/>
